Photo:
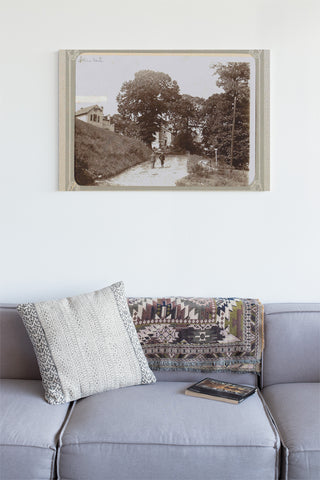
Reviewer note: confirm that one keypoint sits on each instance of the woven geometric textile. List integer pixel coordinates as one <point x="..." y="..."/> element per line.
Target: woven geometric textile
<point x="200" y="334"/>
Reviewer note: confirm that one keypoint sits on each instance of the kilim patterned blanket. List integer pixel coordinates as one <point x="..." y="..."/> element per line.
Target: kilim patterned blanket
<point x="200" y="334"/>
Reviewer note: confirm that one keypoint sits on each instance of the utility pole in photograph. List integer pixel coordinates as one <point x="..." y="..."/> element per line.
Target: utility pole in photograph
<point x="233" y="126"/>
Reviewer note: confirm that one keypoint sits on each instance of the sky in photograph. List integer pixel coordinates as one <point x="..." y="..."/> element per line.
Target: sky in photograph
<point x="99" y="77"/>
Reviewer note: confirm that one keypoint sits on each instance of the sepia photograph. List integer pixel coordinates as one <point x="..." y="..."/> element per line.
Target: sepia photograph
<point x="178" y="120"/>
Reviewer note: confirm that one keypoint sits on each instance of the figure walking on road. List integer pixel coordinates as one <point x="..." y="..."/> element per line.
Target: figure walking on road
<point x="162" y="158"/>
<point x="153" y="158"/>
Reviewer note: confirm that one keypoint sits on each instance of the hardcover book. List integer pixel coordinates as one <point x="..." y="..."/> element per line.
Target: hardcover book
<point x="221" y="391"/>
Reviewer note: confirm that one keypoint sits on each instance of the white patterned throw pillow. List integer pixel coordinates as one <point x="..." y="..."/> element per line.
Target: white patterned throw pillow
<point x="85" y="344"/>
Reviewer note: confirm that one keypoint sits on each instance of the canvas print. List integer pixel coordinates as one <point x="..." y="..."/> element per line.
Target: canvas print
<point x="164" y="120"/>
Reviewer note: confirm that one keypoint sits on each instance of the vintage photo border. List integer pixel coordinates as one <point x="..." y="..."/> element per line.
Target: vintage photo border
<point x="67" y="74"/>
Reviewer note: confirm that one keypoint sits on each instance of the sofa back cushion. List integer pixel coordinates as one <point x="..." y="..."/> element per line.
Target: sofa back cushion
<point x="17" y="357"/>
<point x="292" y="339"/>
<point x="193" y="377"/>
<point x="18" y="360"/>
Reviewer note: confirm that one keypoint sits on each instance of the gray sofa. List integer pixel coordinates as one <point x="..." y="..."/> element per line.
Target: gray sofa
<point x="155" y="432"/>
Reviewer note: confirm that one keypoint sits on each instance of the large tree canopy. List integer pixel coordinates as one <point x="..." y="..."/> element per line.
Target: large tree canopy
<point x="147" y="101"/>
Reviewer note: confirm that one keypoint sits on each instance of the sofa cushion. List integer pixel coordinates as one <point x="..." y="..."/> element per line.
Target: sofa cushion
<point x="85" y="344"/>
<point x="292" y="332"/>
<point x="23" y="363"/>
<point x="157" y="432"/>
<point x="193" y="377"/>
<point x="296" y="410"/>
<point x="29" y="431"/>
<point x="17" y="357"/>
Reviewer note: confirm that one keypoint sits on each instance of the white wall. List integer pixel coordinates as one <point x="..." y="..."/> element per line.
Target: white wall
<point x="254" y="244"/>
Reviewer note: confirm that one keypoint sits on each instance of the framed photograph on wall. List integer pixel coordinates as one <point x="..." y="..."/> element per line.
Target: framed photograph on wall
<point x="178" y="120"/>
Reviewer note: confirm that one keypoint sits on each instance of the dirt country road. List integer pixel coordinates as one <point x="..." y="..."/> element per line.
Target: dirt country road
<point x="143" y="175"/>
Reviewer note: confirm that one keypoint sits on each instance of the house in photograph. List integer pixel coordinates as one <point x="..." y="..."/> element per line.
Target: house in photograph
<point x="94" y="115"/>
<point x="164" y="138"/>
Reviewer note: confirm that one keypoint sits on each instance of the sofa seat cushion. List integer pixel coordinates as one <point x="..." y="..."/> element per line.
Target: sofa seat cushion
<point x="296" y="410"/>
<point x="29" y="431"/>
<point x="157" y="432"/>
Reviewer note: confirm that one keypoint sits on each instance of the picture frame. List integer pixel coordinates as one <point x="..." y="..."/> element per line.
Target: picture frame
<point x="164" y="120"/>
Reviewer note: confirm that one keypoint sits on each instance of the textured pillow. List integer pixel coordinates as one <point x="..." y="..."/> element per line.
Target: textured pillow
<point x="85" y="344"/>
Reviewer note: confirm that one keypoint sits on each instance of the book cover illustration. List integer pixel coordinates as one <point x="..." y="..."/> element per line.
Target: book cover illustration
<point x="218" y="390"/>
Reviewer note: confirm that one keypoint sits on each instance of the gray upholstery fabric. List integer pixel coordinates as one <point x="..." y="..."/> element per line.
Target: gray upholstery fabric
<point x="192" y="377"/>
<point x="292" y="339"/>
<point x="157" y="432"/>
<point x="29" y="430"/>
<point x="296" y="410"/>
<point x="17" y="357"/>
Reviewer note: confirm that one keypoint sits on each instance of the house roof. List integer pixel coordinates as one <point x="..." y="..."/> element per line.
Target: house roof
<point x="85" y="110"/>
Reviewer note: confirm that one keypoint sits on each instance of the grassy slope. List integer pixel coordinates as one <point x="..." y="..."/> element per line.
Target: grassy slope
<point x="101" y="154"/>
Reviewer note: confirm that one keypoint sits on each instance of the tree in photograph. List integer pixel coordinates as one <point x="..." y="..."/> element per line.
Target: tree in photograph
<point x="125" y="126"/>
<point x="148" y="101"/>
<point x="234" y="79"/>
<point x="185" y="119"/>
<point x="216" y="125"/>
